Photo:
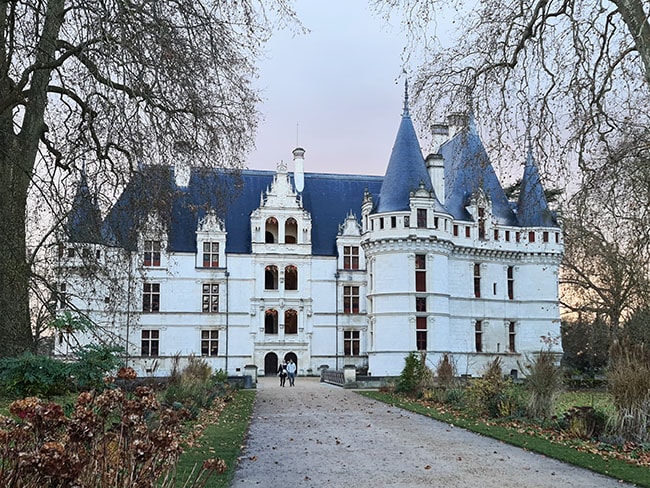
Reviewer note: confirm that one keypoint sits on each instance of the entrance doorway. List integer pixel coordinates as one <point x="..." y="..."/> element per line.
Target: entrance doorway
<point x="270" y="364"/>
<point x="291" y="355"/>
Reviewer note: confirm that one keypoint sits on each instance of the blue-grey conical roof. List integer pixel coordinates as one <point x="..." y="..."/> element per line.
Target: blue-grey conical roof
<point x="84" y="220"/>
<point x="406" y="168"/>
<point x="468" y="168"/>
<point x="532" y="207"/>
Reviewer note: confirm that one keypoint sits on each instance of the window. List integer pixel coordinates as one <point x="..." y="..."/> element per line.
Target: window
<point x="271" y="322"/>
<point x="477" y="280"/>
<point x="517" y="236"/>
<point x="545" y="236"/>
<point x="350" y="299"/>
<point x="290" y="322"/>
<point x="63" y="296"/>
<point x="291" y="278"/>
<point x="351" y="342"/>
<point x="421" y="333"/>
<point x="291" y="231"/>
<point x="420" y="304"/>
<point x="478" y="335"/>
<point x="271" y="231"/>
<point x="210" y="297"/>
<point x="407" y="221"/>
<point x="209" y="343"/>
<point x="511" y="282"/>
<point x="420" y="272"/>
<point x="86" y="253"/>
<point x="149" y="345"/>
<point x="71" y="252"/>
<point x="507" y="236"/>
<point x="60" y="249"/>
<point x="422" y="218"/>
<point x="496" y="234"/>
<point x="151" y="253"/>
<point x="468" y="231"/>
<point x="511" y="337"/>
<point x="271" y="277"/>
<point x="350" y="257"/>
<point x="210" y="254"/>
<point x="557" y="237"/>
<point x="381" y="222"/>
<point x="435" y="222"/>
<point x="393" y="222"/>
<point x="481" y="223"/>
<point x="151" y="297"/>
<point x="455" y="230"/>
<point x="531" y="236"/>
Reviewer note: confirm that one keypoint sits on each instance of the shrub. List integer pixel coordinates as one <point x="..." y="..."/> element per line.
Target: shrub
<point x="31" y="375"/>
<point x="193" y="387"/>
<point x="585" y="422"/>
<point x="543" y="382"/>
<point x="93" y="364"/>
<point x="446" y="372"/>
<point x="415" y="377"/>
<point x="493" y="394"/>
<point x="628" y="380"/>
<point x="110" y="440"/>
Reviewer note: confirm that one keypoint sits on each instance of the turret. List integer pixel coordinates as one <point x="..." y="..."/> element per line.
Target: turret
<point x="299" y="170"/>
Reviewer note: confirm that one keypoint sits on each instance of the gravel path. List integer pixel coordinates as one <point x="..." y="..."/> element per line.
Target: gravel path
<point x="317" y="435"/>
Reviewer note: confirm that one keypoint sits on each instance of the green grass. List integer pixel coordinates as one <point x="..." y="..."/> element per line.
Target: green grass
<point x="221" y="440"/>
<point x="600" y="400"/>
<point x="614" y="468"/>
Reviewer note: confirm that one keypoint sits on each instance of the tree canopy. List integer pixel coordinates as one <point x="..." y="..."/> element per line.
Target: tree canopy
<point x="110" y="84"/>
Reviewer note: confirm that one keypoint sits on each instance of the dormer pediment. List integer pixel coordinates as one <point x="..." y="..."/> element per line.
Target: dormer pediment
<point x="281" y="193"/>
<point x="350" y="227"/>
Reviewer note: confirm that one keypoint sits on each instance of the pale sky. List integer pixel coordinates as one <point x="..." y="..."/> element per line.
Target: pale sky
<point x="336" y="91"/>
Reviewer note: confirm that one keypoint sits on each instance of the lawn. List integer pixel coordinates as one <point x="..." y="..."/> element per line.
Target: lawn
<point x="625" y="463"/>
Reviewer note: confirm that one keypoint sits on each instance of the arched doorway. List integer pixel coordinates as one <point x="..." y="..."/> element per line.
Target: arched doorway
<point x="270" y="364"/>
<point x="291" y="355"/>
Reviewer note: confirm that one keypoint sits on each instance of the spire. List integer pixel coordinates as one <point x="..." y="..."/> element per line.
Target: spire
<point x="84" y="219"/>
<point x="406" y="167"/>
<point x="406" y="113"/>
<point x="532" y="206"/>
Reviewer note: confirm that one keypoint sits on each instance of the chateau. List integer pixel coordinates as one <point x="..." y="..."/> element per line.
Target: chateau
<point x="253" y="267"/>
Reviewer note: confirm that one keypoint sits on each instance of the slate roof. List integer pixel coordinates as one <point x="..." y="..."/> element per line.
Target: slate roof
<point x="532" y="207"/>
<point x="406" y="169"/>
<point x="84" y="220"/>
<point x="328" y="198"/>
<point x="468" y="168"/>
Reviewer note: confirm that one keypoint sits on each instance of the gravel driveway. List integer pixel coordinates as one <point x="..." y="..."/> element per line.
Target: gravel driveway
<point x="315" y="435"/>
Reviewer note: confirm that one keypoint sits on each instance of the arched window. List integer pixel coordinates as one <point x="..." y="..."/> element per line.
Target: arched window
<point x="290" y="322"/>
<point x="271" y="321"/>
<point x="271" y="277"/>
<point x="291" y="231"/>
<point x="290" y="278"/>
<point x="271" y="231"/>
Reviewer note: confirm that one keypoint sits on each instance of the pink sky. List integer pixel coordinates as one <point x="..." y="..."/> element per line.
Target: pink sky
<point x="336" y="91"/>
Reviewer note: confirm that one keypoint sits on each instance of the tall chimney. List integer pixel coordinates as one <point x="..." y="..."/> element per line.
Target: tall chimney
<point x="298" y="169"/>
<point x="439" y="135"/>
<point x="436" y="168"/>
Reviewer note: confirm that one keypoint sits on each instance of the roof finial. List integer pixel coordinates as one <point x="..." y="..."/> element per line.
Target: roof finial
<point x="406" y="97"/>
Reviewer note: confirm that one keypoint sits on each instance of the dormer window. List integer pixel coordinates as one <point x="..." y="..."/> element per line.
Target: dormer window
<point x="481" y="223"/>
<point x="151" y="253"/>
<point x="350" y="257"/>
<point x="271" y="230"/>
<point x="210" y="254"/>
<point x="291" y="231"/>
<point x="422" y="218"/>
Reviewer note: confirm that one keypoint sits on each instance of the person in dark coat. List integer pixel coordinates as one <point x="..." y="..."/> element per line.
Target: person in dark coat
<point x="282" y="373"/>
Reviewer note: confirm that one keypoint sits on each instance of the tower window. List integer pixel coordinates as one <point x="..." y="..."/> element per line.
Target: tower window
<point x="421" y="333"/>
<point x="291" y="231"/>
<point x="512" y="334"/>
<point x="477" y="280"/>
<point x="478" y="335"/>
<point x="481" y="223"/>
<point x="420" y="272"/>
<point x="511" y="282"/>
<point x="271" y="231"/>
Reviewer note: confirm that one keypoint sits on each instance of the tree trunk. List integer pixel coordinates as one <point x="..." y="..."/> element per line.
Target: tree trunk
<point x="15" y="330"/>
<point x="634" y="15"/>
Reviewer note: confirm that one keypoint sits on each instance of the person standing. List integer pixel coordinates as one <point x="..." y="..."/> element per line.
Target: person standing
<point x="282" y="373"/>
<point x="291" y="372"/>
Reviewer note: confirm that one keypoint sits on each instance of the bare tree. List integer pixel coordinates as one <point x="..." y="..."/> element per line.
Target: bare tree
<point x="575" y="74"/>
<point x="113" y="83"/>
